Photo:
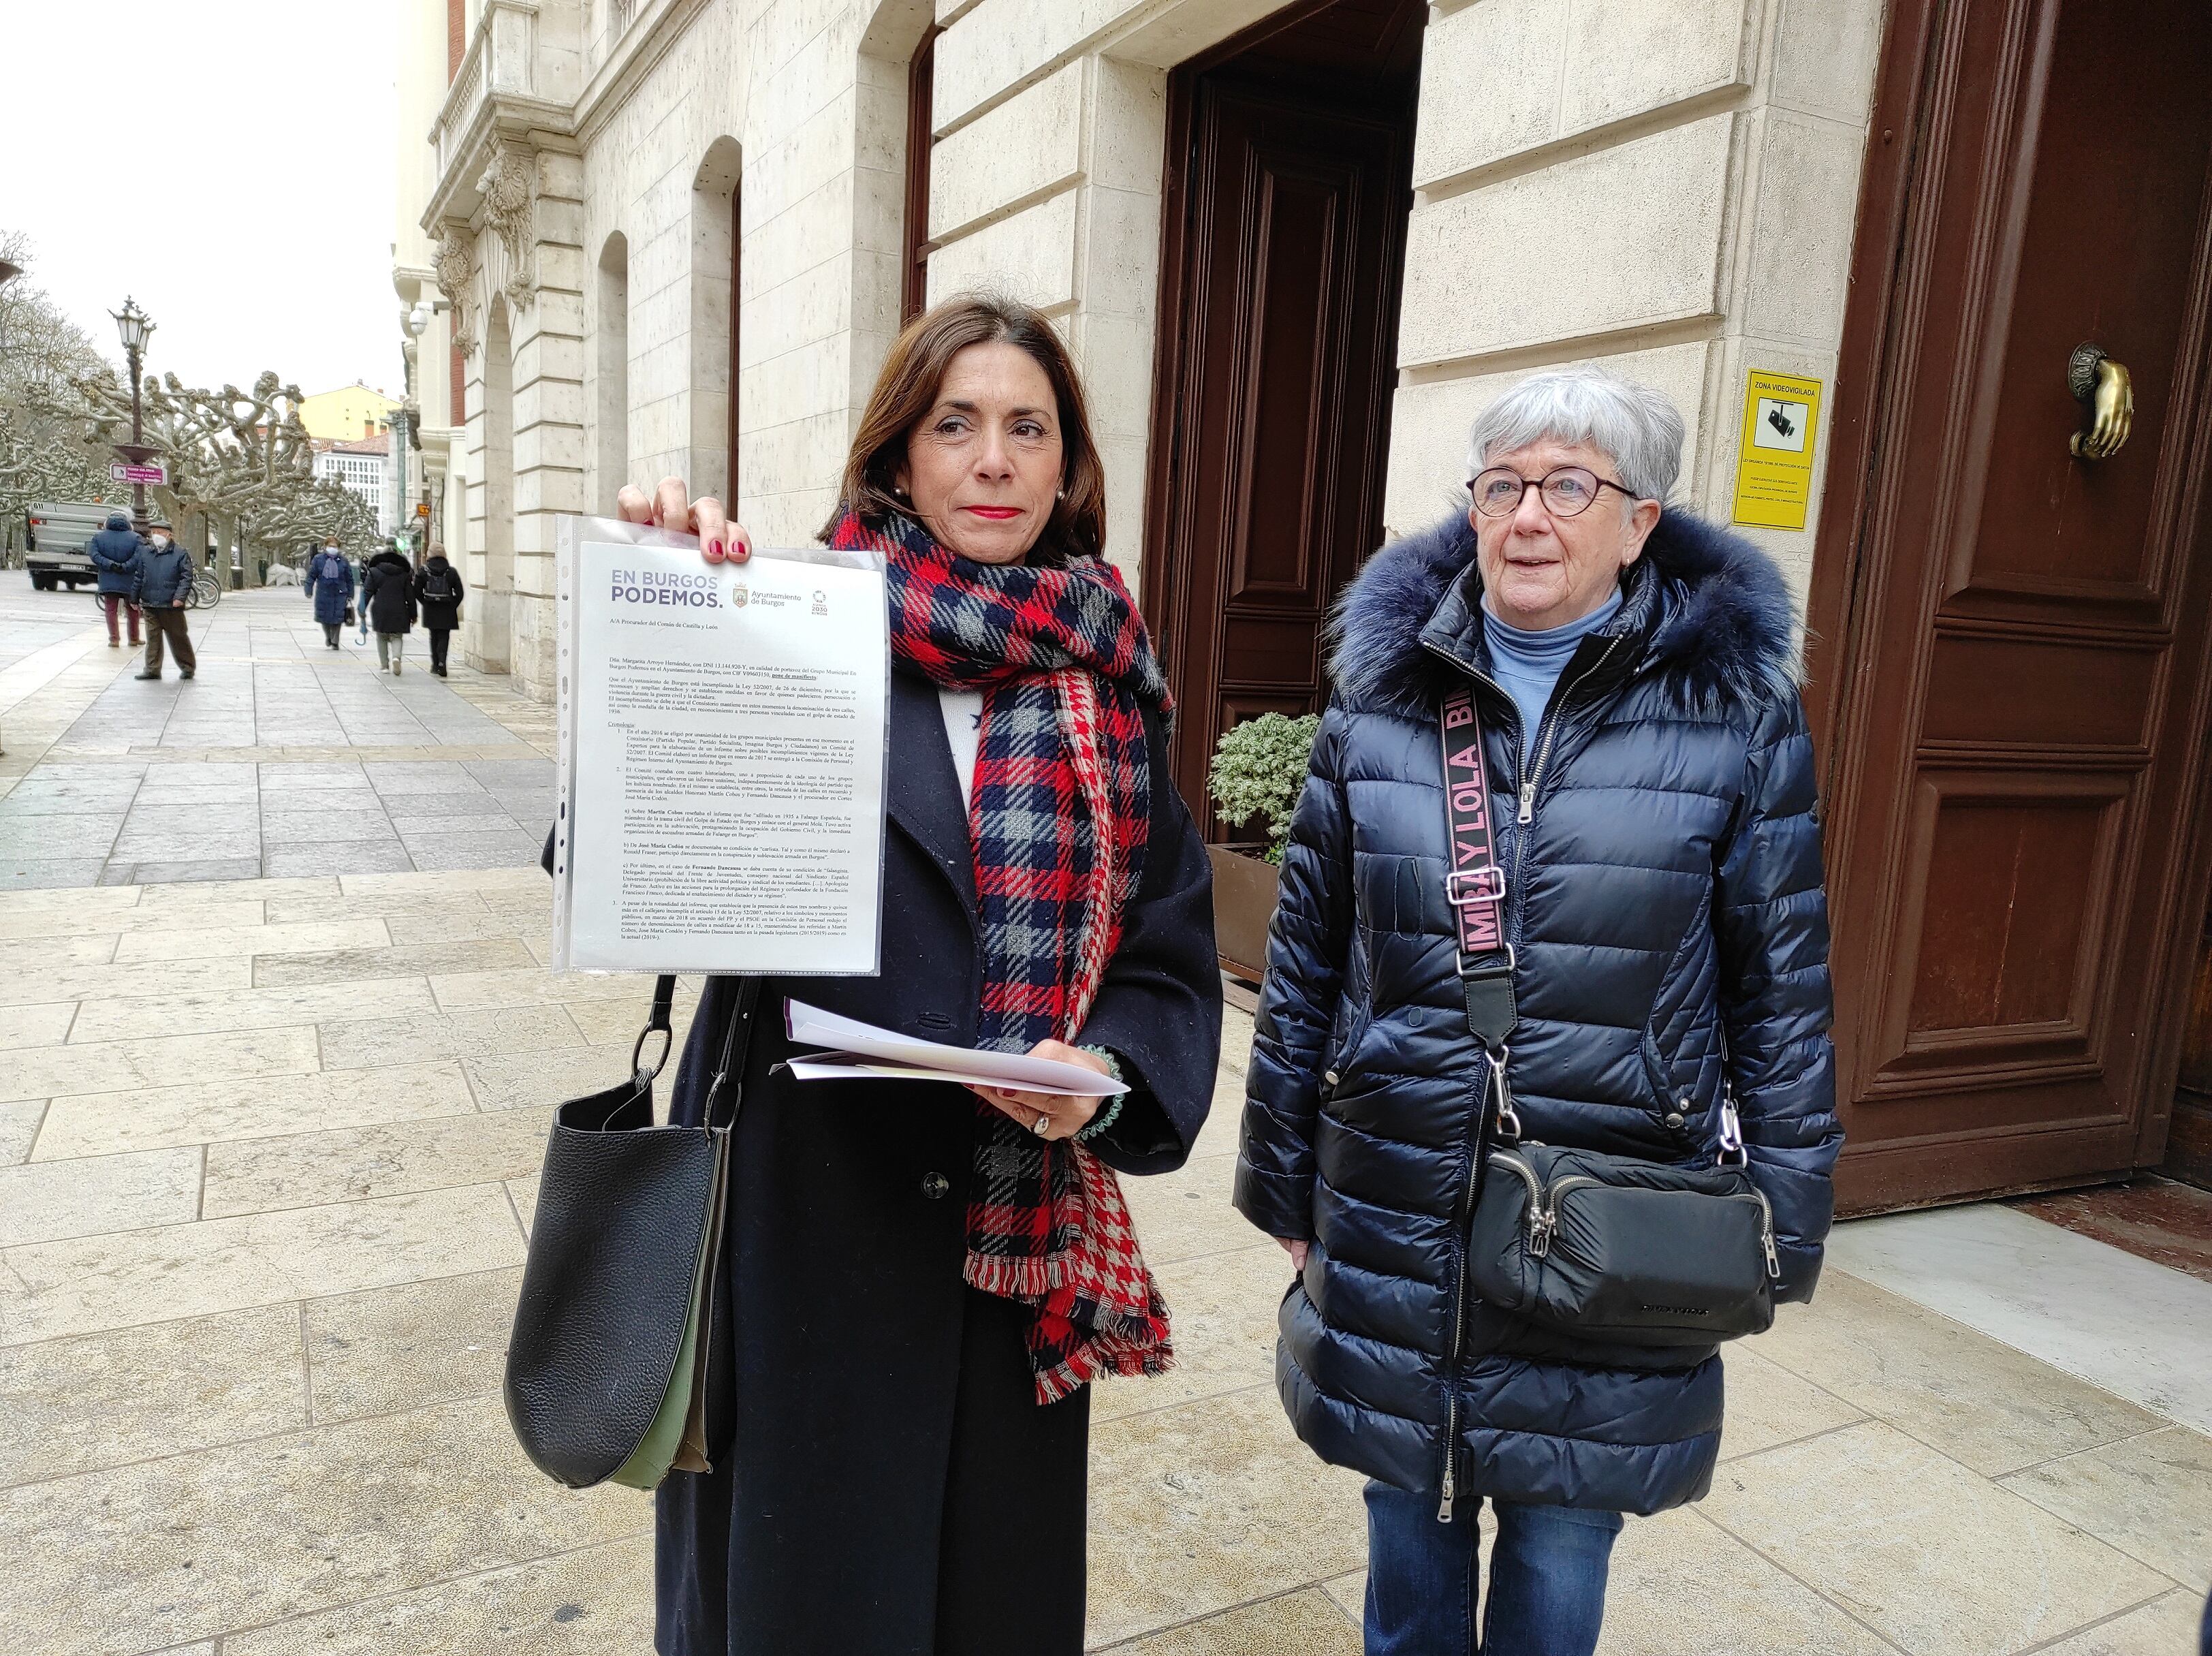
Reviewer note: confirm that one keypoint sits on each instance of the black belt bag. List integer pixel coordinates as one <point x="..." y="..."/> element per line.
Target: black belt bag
<point x="1600" y="1249"/>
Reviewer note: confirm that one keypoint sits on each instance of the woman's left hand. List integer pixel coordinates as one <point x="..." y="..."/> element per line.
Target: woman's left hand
<point x="1063" y="1117"/>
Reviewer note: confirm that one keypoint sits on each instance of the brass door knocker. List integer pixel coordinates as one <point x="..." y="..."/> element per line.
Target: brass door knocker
<point x="2101" y="385"/>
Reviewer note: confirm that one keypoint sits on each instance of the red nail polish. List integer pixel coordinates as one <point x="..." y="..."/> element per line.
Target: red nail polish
<point x="714" y="549"/>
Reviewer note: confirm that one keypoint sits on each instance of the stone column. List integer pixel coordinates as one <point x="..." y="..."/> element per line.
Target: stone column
<point x="548" y="414"/>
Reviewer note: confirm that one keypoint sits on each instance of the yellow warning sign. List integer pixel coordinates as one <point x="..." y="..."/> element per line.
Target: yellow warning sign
<point x="1774" y="462"/>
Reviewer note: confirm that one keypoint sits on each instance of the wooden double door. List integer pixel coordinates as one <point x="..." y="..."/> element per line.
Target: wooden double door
<point x="1288" y="189"/>
<point x="2010" y="641"/>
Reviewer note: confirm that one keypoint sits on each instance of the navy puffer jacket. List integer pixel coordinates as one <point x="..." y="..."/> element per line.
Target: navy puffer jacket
<point x="111" y="551"/>
<point x="1665" y="898"/>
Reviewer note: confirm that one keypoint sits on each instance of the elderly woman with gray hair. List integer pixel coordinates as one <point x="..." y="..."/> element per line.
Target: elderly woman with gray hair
<point x="1554" y="880"/>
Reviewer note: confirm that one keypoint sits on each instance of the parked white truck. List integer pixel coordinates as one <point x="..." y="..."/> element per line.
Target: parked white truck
<point x="59" y="530"/>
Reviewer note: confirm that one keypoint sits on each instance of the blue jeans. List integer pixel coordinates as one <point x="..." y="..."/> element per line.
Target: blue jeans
<point x="1548" y="1571"/>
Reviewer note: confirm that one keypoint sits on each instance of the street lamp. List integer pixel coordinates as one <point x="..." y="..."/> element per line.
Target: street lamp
<point x="135" y="326"/>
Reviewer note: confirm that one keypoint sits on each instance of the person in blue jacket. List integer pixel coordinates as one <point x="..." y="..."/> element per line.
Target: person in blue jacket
<point x="1651" y="781"/>
<point x="162" y="580"/>
<point x="112" y="549"/>
<point x="329" y="581"/>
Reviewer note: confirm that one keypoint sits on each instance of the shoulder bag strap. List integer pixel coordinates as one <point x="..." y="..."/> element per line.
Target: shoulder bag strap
<point x="737" y="1043"/>
<point x="1474" y="885"/>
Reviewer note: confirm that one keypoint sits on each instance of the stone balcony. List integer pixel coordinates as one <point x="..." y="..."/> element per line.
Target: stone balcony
<point x="521" y="75"/>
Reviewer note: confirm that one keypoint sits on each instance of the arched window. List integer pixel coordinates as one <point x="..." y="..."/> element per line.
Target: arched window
<point x="717" y="253"/>
<point x="611" y="374"/>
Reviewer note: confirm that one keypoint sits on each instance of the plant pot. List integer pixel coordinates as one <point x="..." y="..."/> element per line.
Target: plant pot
<point x="1244" y="890"/>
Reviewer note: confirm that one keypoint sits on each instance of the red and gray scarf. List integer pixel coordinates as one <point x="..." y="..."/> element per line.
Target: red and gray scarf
<point x="1061" y="807"/>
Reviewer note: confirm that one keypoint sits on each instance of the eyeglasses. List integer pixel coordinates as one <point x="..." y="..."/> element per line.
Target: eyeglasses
<point x="1568" y="492"/>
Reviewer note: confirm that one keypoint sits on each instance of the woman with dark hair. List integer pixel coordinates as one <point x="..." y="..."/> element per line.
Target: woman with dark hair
<point x="925" y="1280"/>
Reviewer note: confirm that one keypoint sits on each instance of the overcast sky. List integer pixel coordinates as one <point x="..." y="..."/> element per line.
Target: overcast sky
<point x="229" y="162"/>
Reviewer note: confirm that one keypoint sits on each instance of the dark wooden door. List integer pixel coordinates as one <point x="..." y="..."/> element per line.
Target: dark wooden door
<point x="1275" y="388"/>
<point x="2014" y="686"/>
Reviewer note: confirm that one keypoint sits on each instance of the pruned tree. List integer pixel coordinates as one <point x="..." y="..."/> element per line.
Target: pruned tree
<point x="42" y="356"/>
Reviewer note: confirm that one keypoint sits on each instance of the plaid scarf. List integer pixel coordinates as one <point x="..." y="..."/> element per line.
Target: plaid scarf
<point x="1061" y="807"/>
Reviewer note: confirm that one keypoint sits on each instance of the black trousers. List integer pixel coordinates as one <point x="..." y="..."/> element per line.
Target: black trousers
<point x="331" y="634"/>
<point x="438" y="638"/>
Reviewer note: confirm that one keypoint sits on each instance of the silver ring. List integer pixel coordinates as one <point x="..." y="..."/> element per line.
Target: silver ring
<point x="1040" y="1125"/>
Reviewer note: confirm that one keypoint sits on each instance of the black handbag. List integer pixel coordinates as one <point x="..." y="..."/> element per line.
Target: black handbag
<point x="1596" y="1250"/>
<point x="606" y="1370"/>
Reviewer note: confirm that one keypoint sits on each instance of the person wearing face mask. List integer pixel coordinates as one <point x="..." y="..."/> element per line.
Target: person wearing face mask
<point x="161" y="579"/>
<point x="329" y="581"/>
<point x="922" y="1281"/>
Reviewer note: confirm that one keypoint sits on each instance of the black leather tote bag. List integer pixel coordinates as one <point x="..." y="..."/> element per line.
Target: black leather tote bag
<point x="607" y="1368"/>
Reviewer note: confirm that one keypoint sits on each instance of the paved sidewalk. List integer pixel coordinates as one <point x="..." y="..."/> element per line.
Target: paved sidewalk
<point x="280" y="757"/>
<point x="268" y="1157"/>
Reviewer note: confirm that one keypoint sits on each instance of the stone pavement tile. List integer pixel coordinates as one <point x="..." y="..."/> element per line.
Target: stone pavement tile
<point x="256" y="1532"/>
<point x="34" y="954"/>
<point x="1213" y="1504"/>
<point x="176" y="842"/>
<point x="28" y="873"/>
<point x="1222" y="1308"/>
<point x="385" y="1349"/>
<point x="2168" y="1626"/>
<point x="1305" y="1622"/>
<point x="353" y="1163"/>
<point x="512" y="773"/>
<point x="470" y="990"/>
<point x="346" y="965"/>
<point x="256" y="891"/>
<point x="43" y="1025"/>
<point x="45" y="1201"/>
<point x="1875" y="1522"/>
<point x="386" y="910"/>
<point x="1349" y="1592"/>
<point x="460" y="919"/>
<point x="224" y="868"/>
<point x="95" y="919"/>
<point x="484" y="820"/>
<point x="141" y="977"/>
<point x="487" y="883"/>
<point x="517" y="1079"/>
<point x="26" y="905"/>
<point x="1767" y="1405"/>
<point x="616" y="1023"/>
<point x="308" y="820"/>
<point x="421" y="807"/>
<point x="251" y="1008"/>
<point x="391" y="777"/>
<point x="372" y="1043"/>
<point x="49" y="1289"/>
<point x="1677" y="1571"/>
<point x="1186" y="1214"/>
<point x="297" y="776"/>
<point x="2149" y="1496"/>
<point x="514" y="848"/>
<point x="1225" y="1117"/>
<point x="595" y="1601"/>
<point x="523" y="1192"/>
<point x="19" y="1128"/>
<point x="49" y="838"/>
<point x="33" y="797"/>
<point x="48" y="1072"/>
<point x="377" y="853"/>
<point x="129" y="1394"/>
<point x="155" y="813"/>
<point x="214" y="941"/>
<point x="199" y="773"/>
<point x="1985" y="1404"/>
<point x="203" y="1112"/>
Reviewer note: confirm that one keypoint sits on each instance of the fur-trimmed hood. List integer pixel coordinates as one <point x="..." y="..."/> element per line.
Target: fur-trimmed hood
<point x="1712" y="610"/>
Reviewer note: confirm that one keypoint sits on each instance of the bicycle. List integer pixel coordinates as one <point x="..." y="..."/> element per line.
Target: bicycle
<point x="206" y="590"/>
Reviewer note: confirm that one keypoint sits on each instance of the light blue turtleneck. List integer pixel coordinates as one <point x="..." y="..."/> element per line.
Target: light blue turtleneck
<point x="1528" y="664"/>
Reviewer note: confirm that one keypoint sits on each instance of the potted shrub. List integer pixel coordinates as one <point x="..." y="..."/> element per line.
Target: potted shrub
<point x="1259" y="769"/>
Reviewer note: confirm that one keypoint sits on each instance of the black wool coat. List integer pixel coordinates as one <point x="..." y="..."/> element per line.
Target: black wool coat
<point x="838" y="1334"/>
<point x="388" y="589"/>
<point x="438" y="575"/>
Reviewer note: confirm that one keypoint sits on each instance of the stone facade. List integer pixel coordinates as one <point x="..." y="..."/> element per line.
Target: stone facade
<point x="1669" y="186"/>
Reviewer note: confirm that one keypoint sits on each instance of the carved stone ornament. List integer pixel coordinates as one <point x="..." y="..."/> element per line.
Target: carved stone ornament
<point x="509" y="189"/>
<point x="452" y="267"/>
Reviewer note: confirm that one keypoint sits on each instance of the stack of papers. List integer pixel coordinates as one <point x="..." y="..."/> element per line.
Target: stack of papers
<point x="857" y="1049"/>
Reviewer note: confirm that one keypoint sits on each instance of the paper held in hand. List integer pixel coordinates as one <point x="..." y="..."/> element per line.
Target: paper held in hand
<point x="721" y="756"/>
<point x="857" y="1049"/>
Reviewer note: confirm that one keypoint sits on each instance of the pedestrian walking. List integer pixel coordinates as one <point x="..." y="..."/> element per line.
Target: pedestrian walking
<point x="112" y="550"/>
<point x="162" y="580"/>
<point x="1651" y="983"/>
<point x="387" y="603"/>
<point x="906" y="1475"/>
<point x="439" y="590"/>
<point x="329" y="589"/>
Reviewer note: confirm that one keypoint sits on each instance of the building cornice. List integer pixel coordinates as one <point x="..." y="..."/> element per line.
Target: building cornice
<point x="648" y="41"/>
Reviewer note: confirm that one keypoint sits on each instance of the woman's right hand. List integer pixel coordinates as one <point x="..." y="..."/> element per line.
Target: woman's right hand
<point x="670" y="506"/>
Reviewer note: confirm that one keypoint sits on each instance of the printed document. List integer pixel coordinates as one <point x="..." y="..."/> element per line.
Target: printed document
<point x="859" y="1049"/>
<point x="722" y="739"/>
